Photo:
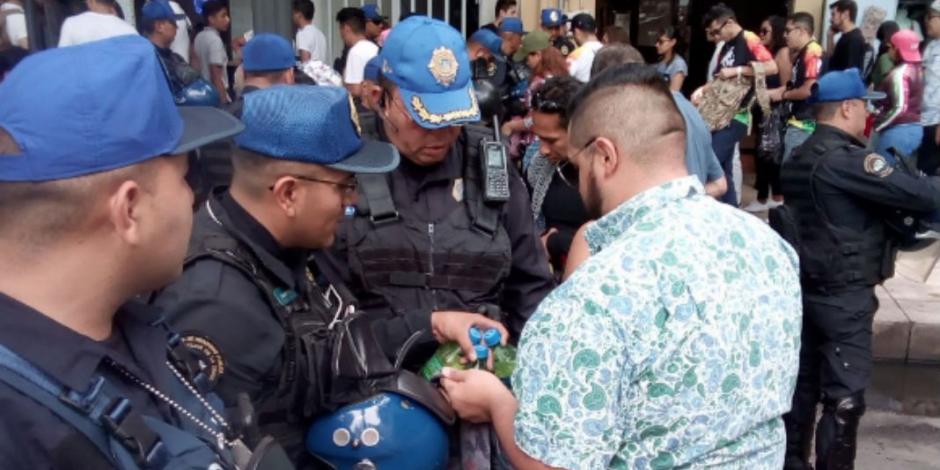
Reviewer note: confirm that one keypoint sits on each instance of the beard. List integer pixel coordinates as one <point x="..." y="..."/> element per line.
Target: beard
<point x="591" y="198"/>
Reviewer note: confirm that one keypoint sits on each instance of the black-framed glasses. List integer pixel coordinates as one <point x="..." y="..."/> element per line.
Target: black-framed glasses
<point x="567" y="171"/>
<point x="347" y="187"/>
<point x="714" y="32"/>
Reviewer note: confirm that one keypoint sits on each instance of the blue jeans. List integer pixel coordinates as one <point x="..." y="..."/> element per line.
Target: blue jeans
<point x="792" y="139"/>
<point x="723" y="142"/>
<point x="905" y="138"/>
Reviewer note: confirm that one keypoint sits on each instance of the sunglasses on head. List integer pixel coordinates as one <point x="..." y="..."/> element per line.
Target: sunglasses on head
<point x="540" y="103"/>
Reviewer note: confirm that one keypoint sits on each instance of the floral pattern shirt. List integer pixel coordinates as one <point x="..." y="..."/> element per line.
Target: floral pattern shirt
<point x="675" y="345"/>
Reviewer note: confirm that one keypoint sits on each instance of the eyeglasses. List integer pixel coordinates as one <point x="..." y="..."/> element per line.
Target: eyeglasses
<point x="540" y="103"/>
<point x="714" y="32"/>
<point x="348" y="187"/>
<point x="569" y="171"/>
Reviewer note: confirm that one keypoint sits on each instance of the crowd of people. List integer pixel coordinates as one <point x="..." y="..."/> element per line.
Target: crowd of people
<point x="240" y="254"/>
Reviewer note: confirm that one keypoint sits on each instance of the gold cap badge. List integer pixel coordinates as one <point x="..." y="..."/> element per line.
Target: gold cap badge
<point x="443" y="66"/>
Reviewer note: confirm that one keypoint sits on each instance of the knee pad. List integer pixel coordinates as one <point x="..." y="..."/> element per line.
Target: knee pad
<point x="846" y="410"/>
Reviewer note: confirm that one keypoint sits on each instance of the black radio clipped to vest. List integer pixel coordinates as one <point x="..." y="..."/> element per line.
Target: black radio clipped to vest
<point x="495" y="171"/>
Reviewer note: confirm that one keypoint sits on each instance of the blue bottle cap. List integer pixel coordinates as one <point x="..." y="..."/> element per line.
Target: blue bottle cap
<point x="492" y="337"/>
<point x="350" y="211"/>
<point x="475" y="335"/>
<point x="482" y="351"/>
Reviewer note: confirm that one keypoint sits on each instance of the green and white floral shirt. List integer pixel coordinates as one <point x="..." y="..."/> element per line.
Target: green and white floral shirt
<point x="675" y="345"/>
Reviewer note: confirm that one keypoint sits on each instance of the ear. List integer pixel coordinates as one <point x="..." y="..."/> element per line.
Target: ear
<point x="286" y="192"/>
<point x="607" y="156"/>
<point x="126" y="212"/>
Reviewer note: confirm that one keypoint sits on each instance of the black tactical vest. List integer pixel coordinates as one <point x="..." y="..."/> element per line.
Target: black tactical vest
<point x="831" y="256"/>
<point x="305" y="386"/>
<point x="403" y="263"/>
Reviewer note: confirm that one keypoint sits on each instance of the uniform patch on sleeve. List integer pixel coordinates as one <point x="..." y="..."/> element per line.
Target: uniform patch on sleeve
<point x="877" y="165"/>
<point x="208" y="354"/>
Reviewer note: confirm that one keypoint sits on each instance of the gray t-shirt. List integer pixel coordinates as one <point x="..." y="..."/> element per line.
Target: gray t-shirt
<point x="211" y="51"/>
<point x="700" y="159"/>
<point x="677" y="65"/>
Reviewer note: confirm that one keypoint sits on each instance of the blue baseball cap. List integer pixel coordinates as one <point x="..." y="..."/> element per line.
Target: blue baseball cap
<point x="371" y="71"/>
<point x="511" y="24"/>
<point x="155" y="10"/>
<point x="427" y="59"/>
<point x="267" y="52"/>
<point x="311" y="124"/>
<point x="553" y="17"/>
<point x="488" y="39"/>
<point x="372" y="12"/>
<point x="112" y="110"/>
<point x="843" y="85"/>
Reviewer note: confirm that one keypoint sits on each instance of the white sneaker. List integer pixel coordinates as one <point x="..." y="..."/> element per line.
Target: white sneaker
<point x="756" y="206"/>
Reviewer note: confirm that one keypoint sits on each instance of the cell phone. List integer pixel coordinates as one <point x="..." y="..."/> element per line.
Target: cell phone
<point x="495" y="170"/>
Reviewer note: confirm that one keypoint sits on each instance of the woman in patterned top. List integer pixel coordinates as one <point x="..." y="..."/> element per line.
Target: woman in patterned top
<point x="898" y="121"/>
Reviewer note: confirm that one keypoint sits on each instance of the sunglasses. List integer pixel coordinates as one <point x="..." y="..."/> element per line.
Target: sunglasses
<point x="348" y="188"/>
<point x="542" y="104"/>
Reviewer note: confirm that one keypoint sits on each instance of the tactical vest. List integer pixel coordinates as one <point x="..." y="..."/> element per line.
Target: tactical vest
<point x="126" y="438"/>
<point x="303" y="389"/>
<point x="403" y="263"/>
<point x="831" y="256"/>
<point x="330" y="357"/>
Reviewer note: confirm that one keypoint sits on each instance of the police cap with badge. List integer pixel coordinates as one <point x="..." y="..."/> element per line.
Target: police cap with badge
<point x="554" y="18"/>
<point x="427" y="59"/>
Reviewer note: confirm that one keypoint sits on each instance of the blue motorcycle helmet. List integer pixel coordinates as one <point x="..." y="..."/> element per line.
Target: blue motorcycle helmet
<point x="380" y="433"/>
<point x="197" y="93"/>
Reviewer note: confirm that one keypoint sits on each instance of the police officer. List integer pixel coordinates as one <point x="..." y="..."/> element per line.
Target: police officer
<point x="94" y="209"/>
<point x="553" y="23"/>
<point x="839" y="194"/>
<point x="247" y="303"/>
<point x="424" y="237"/>
<point x="267" y="60"/>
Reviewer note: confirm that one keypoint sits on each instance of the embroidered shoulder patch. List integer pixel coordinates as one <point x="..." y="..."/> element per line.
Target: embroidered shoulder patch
<point x="877" y="165"/>
<point x="208" y="354"/>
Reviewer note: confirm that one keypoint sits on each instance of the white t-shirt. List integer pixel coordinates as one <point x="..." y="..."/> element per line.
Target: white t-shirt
<point x="211" y="51"/>
<point x="311" y="39"/>
<point x="16" y="22"/>
<point x="181" y="41"/>
<point x="91" y="26"/>
<point x="580" y="66"/>
<point x="359" y="54"/>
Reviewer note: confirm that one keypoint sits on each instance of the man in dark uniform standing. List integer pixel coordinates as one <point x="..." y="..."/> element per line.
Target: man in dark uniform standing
<point x="94" y="210"/>
<point x="425" y="238"/>
<point x="248" y="303"/>
<point x="553" y="23"/>
<point x="839" y="194"/>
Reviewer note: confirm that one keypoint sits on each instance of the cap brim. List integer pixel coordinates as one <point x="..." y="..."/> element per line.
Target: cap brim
<point x="875" y="96"/>
<point x="203" y="125"/>
<point x="373" y="157"/>
<point x="437" y="110"/>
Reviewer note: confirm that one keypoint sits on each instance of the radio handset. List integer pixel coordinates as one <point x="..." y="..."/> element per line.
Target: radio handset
<point x="495" y="170"/>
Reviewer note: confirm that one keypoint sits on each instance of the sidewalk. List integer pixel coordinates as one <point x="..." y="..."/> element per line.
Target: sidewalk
<point x="907" y="326"/>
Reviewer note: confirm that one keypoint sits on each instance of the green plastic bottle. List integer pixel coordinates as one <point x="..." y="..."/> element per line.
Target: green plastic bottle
<point x="449" y="354"/>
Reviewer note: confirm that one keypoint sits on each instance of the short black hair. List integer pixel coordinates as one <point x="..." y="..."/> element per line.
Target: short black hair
<point x="503" y="5"/>
<point x="554" y="97"/>
<point x="305" y="8"/>
<point x="211" y="8"/>
<point x="355" y="18"/>
<point x="804" y="20"/>
<point x="718" y="12"/>
<point x="843" y="6"/>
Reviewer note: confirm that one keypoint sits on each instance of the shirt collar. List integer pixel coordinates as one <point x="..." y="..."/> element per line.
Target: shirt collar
<point x="75" y="359"/>
<point x="610" y="227"/>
